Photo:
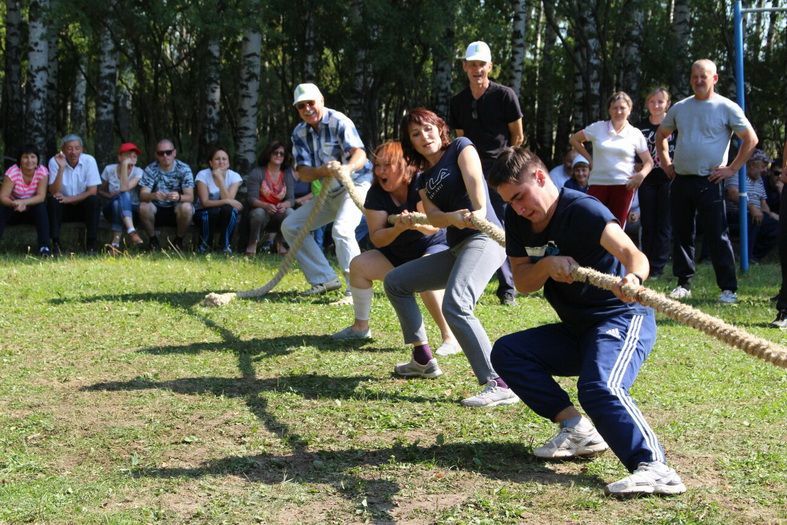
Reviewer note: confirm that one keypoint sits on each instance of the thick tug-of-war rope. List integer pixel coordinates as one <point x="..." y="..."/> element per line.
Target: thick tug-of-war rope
<point x="220" y="299"/>
<point x="683" y="313"/>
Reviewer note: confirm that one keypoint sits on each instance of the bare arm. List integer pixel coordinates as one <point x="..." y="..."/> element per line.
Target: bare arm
<point x="5" y="192"/>
<point x="647" y="165"/>
<point x="616" y="242"/>
<point x="516" y="133"/>
<point x="748" y="142"/>
<point x="577" y="141"/>
<point x="662" y="150"/>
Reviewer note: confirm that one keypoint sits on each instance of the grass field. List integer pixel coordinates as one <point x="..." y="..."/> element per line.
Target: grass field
<point x="124" y="401"/>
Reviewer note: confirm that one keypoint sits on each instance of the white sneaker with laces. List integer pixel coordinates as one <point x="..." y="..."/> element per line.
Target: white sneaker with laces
<point x="680" y="293"/>
<point x="321" y="288"/>
<point x="578" y="441"/>
<point x="652" y="477"/>
<point x="491" y="396"/>
<point x="728" y="297"/>
<point x="414" y="369"/>
<point x="448" y="348"/>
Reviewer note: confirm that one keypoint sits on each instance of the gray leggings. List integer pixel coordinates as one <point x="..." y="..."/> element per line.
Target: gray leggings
<point x="463" y="271"/>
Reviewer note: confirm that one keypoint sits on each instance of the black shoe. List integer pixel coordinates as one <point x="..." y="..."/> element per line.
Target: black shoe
<point x="56" y="249"/>
<point x="154" y="245"/>
<point x="178" y="243"/>
<point x="507" y="298"/>
<point x="781" y="320"/>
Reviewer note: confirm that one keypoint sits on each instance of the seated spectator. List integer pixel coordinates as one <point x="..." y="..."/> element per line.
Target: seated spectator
<point x="166" y="195"/>
<point x="561" y="173"/>
<point x="23" y="196"/>
<point x="271" y="195"/>
<point x="394" y="192"/>
<point x="763" y="223"/>
<point x="73" y="189"/>
<point x="217" y="206"/>
<point x="580" y="173"/>
<point x="773" y="185"/>
<point x="119" y="188"/>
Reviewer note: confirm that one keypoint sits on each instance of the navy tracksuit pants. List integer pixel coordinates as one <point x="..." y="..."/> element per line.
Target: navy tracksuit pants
<point x="606" y="357"/>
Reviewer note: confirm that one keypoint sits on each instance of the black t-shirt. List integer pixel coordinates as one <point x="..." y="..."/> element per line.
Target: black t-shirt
<point x="575" y="231"/>
<point x="485" y="121"/>
<point x="410" y="244"/>
<point x="446" y="188"/>
<point x="657" y="175"/>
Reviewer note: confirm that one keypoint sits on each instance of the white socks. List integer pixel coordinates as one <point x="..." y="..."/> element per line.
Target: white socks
<point x="362" y="302"/>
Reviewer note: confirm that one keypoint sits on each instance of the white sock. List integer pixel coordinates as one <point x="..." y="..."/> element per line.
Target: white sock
<point x="362" y="302"/>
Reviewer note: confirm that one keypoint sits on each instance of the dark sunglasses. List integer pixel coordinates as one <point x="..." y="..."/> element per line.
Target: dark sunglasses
<point x="278" y="153"/>
<point x="166" y="152"/>
<point x="301" y="105"/>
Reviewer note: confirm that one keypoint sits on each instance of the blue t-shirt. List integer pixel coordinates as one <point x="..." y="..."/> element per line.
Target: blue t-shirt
<point x="574" y="231"/>
<point x="410" y="244"/>
<point x="446" y="188"/>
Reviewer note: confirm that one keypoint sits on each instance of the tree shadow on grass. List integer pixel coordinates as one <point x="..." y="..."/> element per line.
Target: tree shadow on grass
<point x="308" y="386"/>
<point x="500" y="461"/>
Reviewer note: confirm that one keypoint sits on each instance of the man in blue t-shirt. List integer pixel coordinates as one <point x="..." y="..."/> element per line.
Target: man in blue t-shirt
<point x="603" y="337"/>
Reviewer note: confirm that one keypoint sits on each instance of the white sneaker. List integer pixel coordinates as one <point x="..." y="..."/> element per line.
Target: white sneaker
<point x="650" y="478"/>
<point x="414" y="369"/>
<point x="348" y="334"/>
<point x="680" y="293"/>
<point x="728" y="297"/>
<point x="448" y="348"/>
<point x="577" y="441"/>
<point x="491" y="396"/>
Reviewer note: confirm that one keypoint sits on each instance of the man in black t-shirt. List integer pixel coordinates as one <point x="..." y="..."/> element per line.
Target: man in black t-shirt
<point x="489" y="115"/>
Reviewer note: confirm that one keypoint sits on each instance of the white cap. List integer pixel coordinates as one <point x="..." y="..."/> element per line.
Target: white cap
<point x="306" y="92"/>
<point x="579" y="159"/>
<point x="478" y="51"/>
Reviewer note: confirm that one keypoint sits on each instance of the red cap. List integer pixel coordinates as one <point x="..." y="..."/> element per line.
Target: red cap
<point x="129" y="146"/>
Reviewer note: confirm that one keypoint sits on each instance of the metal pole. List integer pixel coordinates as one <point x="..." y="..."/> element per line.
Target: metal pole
<point x="743" y="200"/>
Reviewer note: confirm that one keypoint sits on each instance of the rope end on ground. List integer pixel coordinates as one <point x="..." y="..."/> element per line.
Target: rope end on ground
<point x="218" y="299"/>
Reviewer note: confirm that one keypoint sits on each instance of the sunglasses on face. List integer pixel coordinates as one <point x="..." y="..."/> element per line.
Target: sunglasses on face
<point x="166" y="152"/>
<point x="303" y="105"/>
<point x="278" y="153"/>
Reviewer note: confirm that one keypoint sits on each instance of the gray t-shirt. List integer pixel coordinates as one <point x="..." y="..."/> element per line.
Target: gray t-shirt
<point x="704" y="131"/>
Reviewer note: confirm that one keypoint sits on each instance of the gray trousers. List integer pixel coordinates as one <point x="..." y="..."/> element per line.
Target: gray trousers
<point x="463" y="271"/>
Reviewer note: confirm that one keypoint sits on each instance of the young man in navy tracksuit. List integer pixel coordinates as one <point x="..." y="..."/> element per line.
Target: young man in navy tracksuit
<point x="603" y="337"/>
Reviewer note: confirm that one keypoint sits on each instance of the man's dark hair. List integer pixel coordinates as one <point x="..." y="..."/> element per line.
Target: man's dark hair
<point x="512" y="164"/>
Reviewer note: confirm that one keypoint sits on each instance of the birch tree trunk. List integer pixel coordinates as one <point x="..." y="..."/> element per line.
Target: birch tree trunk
<point x="126" y="83"/>
<point x="444" y="61"/>
<point x="78" y="112"/>
<point x="632" y="53"/>
<point x="105" y="101"/>
<point x="545" y="94"/>
<point x="357" y="104"/>
<point x="38" y="63"/>
<point x="309" y="47"/>
<point x="210" y="127"/>
<point x="52" y="102"/>
<point x="518" y="45"/>
<point x="680" y="36"/>
<point x="251" y="49"/>
<point x="588" y="79"/>
<point x="13" y="98"/>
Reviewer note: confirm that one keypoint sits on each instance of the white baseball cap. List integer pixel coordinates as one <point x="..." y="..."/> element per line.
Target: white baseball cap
<point x="579" y="159"/>
<point x="306" y="91"/>
<point x="478" y="51"/>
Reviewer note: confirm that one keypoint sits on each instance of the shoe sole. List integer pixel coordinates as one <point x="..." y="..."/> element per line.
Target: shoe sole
<point x="659" y="490"/>
<point x="445" y="353"/>
<point x="567" y="454"/>
<point x="500" y="402"/>
<point x="430" y="375"/>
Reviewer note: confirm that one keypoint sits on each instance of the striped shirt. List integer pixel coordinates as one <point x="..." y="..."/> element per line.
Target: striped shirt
<point x="22" y="190"/>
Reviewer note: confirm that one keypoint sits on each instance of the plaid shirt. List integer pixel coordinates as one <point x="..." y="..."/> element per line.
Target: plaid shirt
<point x="334" y="140"/>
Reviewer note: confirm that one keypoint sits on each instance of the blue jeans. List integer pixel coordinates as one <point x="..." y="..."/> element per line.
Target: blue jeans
<point x="119" y="207"/>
